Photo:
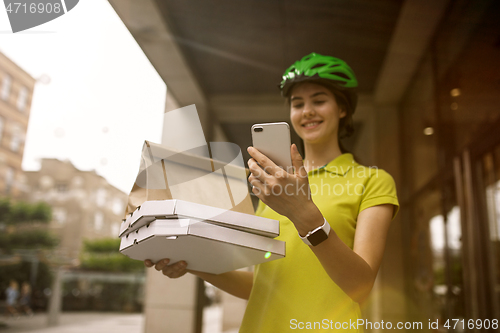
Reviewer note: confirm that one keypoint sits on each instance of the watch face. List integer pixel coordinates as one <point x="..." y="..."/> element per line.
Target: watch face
<point x="318" y="237"/>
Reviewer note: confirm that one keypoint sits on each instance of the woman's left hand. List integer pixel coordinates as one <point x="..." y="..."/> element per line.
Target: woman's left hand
<point x="287" y="193"/>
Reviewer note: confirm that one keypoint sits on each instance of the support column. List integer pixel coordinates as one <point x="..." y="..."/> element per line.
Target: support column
<point x="391" y="285"/>
<point x="55" y="302"/>
<point x="409" y="42"/>
<point x="170" y="304"/>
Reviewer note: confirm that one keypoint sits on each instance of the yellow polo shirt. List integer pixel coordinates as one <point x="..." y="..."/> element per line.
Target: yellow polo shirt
<point x="295" y="293"/>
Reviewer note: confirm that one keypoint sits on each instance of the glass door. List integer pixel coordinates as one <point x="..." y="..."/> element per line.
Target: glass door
<point x="477" y="179"/>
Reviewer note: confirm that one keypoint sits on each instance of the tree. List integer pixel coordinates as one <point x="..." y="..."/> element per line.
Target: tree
<point x="103" y="255"/>
<point x="25" y="225"/>
<point x="23" y="235"/>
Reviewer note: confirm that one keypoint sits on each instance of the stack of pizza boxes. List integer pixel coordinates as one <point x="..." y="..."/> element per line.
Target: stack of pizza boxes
<point x="209" y="239"/>
<point x="190" y="202"/>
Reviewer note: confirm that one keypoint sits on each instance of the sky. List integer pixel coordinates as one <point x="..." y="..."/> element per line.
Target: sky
<point x="104" y="97"/>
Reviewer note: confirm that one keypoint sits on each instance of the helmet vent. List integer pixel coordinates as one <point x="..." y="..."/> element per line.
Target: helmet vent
<point x="317" y="65"/>
<point x="342" y="75"/>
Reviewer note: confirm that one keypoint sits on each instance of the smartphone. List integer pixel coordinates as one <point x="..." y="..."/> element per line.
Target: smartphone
<point x="273" y="140"/>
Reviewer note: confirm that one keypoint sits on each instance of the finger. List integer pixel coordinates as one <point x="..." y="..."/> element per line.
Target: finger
<point x="254" y="180"/>
<point x="257" y="185"/>
<point x="160" y="265"/>
<point x="261" y="192"/>
<point x="180" y="268"/>
<point x="264" y="161"/>
<point x="297" y="162"/>
<point x="257" y="171"/>
<point x="259" y="189"/>
<point x="148" y="263"/>
<point x="175" y="270"/>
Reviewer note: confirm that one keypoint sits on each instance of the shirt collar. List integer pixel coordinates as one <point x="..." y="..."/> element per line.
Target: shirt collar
<point x="339" y="165"/>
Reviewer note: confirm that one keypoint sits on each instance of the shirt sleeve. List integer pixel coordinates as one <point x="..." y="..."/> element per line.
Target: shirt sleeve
<point x="380" y="189"/>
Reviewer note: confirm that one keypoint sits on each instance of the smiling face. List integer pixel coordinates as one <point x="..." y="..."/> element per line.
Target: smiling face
<point x="314" y="113"/>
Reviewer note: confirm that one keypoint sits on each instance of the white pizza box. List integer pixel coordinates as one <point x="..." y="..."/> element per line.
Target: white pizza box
<point x="152" y="210"/>
<point x="204" y="246"/>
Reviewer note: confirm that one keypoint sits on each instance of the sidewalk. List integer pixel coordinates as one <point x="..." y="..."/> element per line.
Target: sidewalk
<point x="77" y="322"/>
<point x="95" y="322"/>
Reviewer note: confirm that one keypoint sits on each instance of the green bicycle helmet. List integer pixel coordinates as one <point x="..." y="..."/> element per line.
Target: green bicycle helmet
<point x="324" y="69"/>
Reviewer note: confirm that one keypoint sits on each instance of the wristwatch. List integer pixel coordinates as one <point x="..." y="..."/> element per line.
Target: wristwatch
<point x="317" y="235"/>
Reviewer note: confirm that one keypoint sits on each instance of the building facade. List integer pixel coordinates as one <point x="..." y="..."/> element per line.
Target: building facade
<point x="450" y="170"/>
<point x="84" y="205"/>
<point x="16" y="91"/>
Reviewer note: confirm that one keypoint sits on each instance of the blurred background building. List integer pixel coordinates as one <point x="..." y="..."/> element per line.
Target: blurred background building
<point x="428" y="113"/>
<point x="16" y="91"/>
<point x="84" y="205"/>
<point x="58" y="225"/>
<point x="86" y="215"/>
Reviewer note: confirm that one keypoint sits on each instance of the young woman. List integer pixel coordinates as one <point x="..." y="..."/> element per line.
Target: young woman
<point x="335" y="230"/>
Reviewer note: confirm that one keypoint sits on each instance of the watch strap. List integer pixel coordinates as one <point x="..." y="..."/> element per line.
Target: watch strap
<point x="318" y="235"/>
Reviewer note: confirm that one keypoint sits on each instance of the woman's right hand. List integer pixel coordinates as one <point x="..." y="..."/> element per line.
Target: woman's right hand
<point x="173" y="271"/>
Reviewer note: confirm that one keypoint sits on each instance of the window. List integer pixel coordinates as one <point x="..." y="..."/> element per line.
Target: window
<point x="62" y="187"/>
<point x="117" y="206"/>
<point x="101" y="195"/>
<point x="6" y="83"/>
<point x="59" y="215"/>
<point x="46" y="182"/>
<point x="1" y="128"/>
<point x="21" y="98"/>
<point x="77" y="181"/>
<point x="9" y="180"/>
<point x="15" y="141"/>
<point x="98" y="221"/>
